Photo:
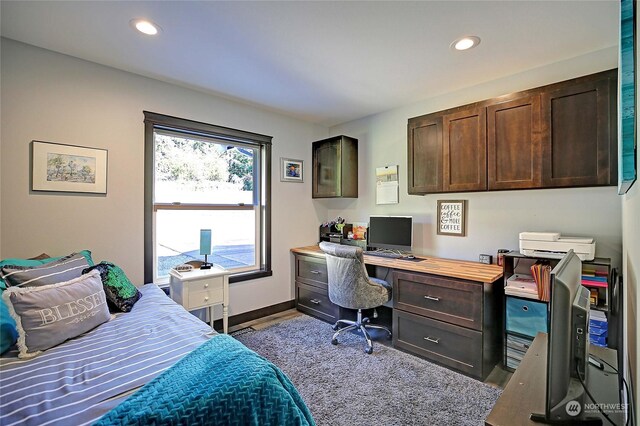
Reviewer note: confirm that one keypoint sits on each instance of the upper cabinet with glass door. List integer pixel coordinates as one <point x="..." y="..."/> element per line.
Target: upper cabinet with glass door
<point x="335" y="168"/>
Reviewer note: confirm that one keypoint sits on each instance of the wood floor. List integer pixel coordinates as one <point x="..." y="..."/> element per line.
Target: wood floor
<point x="497" y="378"/>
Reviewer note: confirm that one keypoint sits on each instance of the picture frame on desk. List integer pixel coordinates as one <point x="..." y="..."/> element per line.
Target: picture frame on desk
<point x="452" y="218"/>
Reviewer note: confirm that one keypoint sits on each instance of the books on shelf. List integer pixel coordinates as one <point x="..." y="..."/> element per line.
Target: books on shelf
<point x="594" y="281"/>
<point x="541" y="272"/>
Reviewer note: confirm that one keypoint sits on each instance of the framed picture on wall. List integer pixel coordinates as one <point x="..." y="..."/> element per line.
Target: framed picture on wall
<point x="68" y="168"/>
<point x="627" y="145"/>
<point x="291" y="170"/>
<point x="452" y="217"/>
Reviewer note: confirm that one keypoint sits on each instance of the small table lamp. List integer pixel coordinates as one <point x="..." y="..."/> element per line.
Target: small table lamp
<point x="205" y="247"/>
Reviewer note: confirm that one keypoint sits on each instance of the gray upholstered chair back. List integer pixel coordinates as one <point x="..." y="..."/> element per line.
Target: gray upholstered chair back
<point x="349" y="283"/>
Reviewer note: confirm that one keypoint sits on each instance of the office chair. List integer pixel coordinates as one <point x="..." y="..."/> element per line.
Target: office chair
<point x="351" y="287"/>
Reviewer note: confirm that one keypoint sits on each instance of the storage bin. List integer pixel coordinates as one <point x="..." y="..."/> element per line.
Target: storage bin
<point x="598" y="340"/>
<point x="526" y="317"/>
<point x="516" y="349"/>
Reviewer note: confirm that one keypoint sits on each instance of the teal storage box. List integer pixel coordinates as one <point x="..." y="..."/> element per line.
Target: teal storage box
<point x="526" y="317"/>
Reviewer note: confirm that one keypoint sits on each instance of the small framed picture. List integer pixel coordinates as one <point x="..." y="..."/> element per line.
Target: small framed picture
<point x="452" y="217"/>
<point x="291" y="170"/>
<point x="68" y="168"/>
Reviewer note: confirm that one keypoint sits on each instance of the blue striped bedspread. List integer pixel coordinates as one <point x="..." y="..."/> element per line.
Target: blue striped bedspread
<point x="80" y="380"/>
<point x="220" y="383"/>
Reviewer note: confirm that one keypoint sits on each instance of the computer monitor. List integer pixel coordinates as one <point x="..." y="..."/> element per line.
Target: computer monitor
<point x="391" y="232"/>
<point x="568" y="345"/>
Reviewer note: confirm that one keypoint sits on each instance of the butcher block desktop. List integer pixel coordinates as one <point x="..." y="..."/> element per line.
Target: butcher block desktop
<point x="448" y="311"/>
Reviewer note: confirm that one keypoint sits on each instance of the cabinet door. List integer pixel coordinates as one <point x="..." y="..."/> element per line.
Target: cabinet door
<point x="513" y="144"/>
<point x="326" y="169"/>
<point x="579" y="136"/>
<point x="425" y="155"/>
<point x="465" y="150"/>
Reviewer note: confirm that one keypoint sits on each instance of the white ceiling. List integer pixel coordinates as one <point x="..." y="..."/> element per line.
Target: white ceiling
<point x="321" y="61"/>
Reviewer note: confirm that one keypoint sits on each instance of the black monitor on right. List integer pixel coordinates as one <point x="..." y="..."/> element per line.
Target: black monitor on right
<point x="568" y="346"/>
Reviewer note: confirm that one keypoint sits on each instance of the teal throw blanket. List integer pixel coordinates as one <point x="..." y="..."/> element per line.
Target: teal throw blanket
<point x="222" y="382"/>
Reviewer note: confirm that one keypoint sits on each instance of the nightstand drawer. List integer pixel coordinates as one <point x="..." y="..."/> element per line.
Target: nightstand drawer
<point x="312" y="271"/>
<point x="454" y="301"/>
<point x="205" y="284"/>
<point x="201" y="298"/>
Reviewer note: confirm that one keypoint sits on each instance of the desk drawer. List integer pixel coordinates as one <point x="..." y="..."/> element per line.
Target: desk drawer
<point x="315" y="301"/>
<point x="456" y="347"/>
<point x="454" y="301"/>
<point x="312" y="271"/>
<point x="200" y="298"/>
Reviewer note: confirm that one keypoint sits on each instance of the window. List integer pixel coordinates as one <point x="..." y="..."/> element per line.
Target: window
<point x="202" y="176"/>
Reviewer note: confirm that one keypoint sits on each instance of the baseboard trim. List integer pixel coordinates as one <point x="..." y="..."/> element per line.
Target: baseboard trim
<point x="254" y="315"/>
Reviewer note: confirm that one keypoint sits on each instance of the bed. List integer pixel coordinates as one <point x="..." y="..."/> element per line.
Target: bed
<point x="156" y="364"/>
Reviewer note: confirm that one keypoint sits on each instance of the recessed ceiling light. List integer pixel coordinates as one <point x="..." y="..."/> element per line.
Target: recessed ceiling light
<point x="465" y="43"/>
<point x="145" y="26"/>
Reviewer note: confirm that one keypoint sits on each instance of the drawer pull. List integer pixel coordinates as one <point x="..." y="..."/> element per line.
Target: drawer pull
<point x="206" y="285"/>
<point x="435" y="299"/>
<point x="432" y="340"/>
<point x="206" y="298"/>
<point x="315" y="272"/>
<point x="314" y="301"/>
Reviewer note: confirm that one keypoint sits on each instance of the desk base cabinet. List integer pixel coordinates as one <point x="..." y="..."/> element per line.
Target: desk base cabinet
<point x="454" y="322"/>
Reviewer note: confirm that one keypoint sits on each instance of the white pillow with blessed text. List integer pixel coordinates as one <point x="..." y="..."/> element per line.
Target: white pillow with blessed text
<point x="51" y="314"/>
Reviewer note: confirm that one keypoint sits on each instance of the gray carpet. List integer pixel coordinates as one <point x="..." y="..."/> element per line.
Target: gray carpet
<point x="344" y="386"/>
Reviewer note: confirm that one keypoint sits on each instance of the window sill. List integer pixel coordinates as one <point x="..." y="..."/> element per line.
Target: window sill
<point x="246" y="276"/>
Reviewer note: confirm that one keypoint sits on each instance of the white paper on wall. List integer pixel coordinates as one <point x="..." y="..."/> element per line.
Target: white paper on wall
<point x="387" y="187"/>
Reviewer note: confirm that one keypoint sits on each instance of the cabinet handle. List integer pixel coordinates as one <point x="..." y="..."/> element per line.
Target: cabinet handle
<point x="315" y="301"/>
<point x="206" y="285"/>
<point x="432" y="340"/>
<point x="315" y="272"/>
<point x="435" y="299"/>
<point x="206" y="298"/>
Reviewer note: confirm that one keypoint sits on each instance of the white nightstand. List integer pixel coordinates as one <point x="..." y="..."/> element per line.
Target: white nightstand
<point x="202" y="288"/>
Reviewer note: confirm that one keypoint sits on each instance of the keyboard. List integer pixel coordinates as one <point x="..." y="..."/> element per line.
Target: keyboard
<point x="387" y="254"/>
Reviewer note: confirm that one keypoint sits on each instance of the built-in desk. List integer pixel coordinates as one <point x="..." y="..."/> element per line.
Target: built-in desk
<point x="448" y="311"/>
<point x="526" y="391"/>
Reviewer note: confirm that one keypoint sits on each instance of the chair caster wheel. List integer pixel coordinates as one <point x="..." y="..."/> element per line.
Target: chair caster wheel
<point x="368" y="350"/>
<point x="334" y="341"/>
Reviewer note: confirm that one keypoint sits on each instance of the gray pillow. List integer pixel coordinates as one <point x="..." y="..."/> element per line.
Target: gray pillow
<point x="63" y="269"/>
<point x="48" y="315"/>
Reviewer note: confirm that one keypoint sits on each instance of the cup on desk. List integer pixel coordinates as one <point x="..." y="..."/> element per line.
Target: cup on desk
<point x="500" y="255"/>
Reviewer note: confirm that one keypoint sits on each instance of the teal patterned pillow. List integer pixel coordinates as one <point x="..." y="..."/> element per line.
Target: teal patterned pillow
<point x="120" y="292"/>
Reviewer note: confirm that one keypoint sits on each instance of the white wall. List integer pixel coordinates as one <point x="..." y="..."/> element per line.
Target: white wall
<point x="631" y="272"/>
<point x="494" y="219"/>
<point x="631" y="276"/>
<point x="51" y="97"/>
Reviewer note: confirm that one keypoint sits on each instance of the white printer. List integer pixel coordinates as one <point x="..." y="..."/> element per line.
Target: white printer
<point x="552" y="245"/>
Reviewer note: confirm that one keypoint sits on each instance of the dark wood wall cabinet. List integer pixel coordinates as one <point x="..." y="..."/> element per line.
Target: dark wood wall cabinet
<point x="335" y="168"/>
<point x="560" y="135"/>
